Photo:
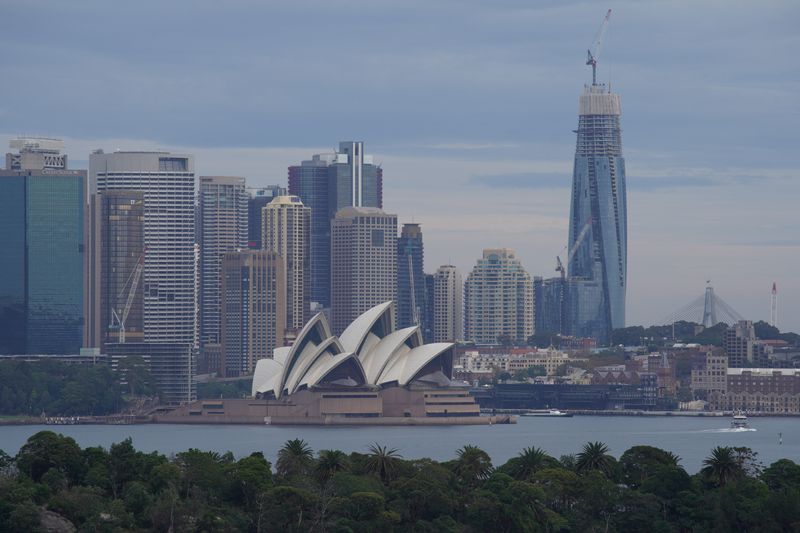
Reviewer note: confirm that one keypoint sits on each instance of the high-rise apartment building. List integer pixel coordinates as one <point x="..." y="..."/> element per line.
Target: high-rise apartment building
<point x="115" y="262"/>
<point x="223" y="228"/>
<point x="598" y="218"/>
<point x="42" y="210"/>
<point x="259" y="198"/>
<point x="743" y="348"/>
<point x="412" y="308"/>
<point x="498" y="298"/>
<point x="363" y="262"/>
<point x="253" y="309"/>
<point x="327" y="183"/>
<point x="448" y="305"/>
<point x="286" y="231"/>
<point x="169" y="276"/>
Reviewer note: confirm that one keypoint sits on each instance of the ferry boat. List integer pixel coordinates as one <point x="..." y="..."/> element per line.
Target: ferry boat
<point x="546" y="412"/>
<point x="739" y="422"/>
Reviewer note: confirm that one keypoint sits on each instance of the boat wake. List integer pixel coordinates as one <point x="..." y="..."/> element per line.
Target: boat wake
<point x="728" y="430"/>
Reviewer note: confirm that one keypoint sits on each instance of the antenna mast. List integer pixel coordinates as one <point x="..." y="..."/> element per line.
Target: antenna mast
<point x="593" y="53"/>
<point x="774" y="314"/>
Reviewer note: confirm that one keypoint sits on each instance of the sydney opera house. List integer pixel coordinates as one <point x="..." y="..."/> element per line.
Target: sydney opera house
<point x="370" y="374"/>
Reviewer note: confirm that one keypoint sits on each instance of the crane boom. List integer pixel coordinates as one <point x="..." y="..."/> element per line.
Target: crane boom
<point x="593" y="53"/>
<point x="582" y="235"/>
<point x="119" y="316"/>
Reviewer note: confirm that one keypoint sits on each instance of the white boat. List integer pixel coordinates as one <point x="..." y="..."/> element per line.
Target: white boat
<point x="546" y="412"/>
<point x="739" y="422"/>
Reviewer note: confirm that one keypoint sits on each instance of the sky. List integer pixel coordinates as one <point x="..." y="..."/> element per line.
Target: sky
<point x="469" y="106"/>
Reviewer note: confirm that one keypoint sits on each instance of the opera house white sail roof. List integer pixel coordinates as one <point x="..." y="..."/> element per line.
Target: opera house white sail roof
<point x="369" y="353"/>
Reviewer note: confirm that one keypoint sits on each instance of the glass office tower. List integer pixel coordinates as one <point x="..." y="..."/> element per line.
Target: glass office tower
<point x="598" y="219"/>
<point x="41" y="267"/>
<point x="327" y="183"/>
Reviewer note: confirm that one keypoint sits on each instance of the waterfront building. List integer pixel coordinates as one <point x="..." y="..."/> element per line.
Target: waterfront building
<point x="598" y="219"/>
<point x="115" y="261"/>
<point x="448" y="304"/>
<point x="412" y="303"/>
<point x="363" y="262"/>
<point x="498" y="298"/>
<point x="222" y="228"/>
<point x="169" y="276"/>
<point x="42" y="210"/>
<point x="286" y="231"/>
<point x="760" y="390"/>
<point x="253" y="309"/>
<point x="327" y="183"/>
<point x="258" y="200"/>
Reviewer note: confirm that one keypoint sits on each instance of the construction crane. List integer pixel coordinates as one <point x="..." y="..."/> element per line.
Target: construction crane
<point x="593" y="53"/>
<point x="119" y="316"/>
<point x="574" y="250"/>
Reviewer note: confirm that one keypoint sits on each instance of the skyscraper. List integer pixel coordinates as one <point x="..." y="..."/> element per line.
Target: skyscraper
<point x="223" y="228"/>
<point x="411" y="295"/>
<point x="115" y="258"/>
<point x="286" y="227"/>
<point x="498" y="298"/>
<point x="42" y="209"/>
<point x="598" y="218"/>
<point x="254" y="309"/>
<point x="167" y="183"/>
<point x="259" y="198"/>
<point x="363" y="262"/>
<point x="327" y="183"/>
<point x="448" y="305"/>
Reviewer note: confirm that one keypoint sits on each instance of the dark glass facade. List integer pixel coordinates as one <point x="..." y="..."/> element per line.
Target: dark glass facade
<point x="412" y="304"/>
<point x="41" y="271"/>
<point x="258" y="201"/>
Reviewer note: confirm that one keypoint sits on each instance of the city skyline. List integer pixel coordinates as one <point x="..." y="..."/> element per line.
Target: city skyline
<point x="706" y="140"/>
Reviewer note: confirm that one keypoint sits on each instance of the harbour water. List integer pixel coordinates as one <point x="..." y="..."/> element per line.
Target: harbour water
<point x="692" y="438"/>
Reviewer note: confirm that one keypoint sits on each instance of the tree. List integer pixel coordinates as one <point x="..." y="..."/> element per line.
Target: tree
<point x="594" y="456"/>
<point x="295" y="458"/>
<point x="472" y="465"/>
<point x="639" y="463"/>
<point x="528" y="462"/>
<point x="45" y="450"/>
<point x="721" y="466"/>
<point x="135" y="371"/>
<point x="782" y="475"/>
<point x="330" y="462"/>
<point x="382" y="461"/>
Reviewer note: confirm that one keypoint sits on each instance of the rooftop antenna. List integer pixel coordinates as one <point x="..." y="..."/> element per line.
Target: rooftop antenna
<point x="593" y="53"/>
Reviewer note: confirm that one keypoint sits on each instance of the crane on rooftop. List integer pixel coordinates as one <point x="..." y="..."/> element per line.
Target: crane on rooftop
<point x="593" y="53"/>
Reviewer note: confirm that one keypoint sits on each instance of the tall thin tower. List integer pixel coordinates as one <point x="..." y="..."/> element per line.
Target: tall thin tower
<point x="773" y="319"/>
<point x="598" y="266"/>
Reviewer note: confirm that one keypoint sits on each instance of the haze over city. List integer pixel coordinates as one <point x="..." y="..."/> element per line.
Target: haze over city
<point x="469" y="107"/>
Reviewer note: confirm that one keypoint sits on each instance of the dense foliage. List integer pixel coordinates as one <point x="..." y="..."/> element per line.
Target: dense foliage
<point x="60" y="389"/>
<point x="214" y="390"/>
<point x="52" y="481"/>
<point x="658" y="336"/>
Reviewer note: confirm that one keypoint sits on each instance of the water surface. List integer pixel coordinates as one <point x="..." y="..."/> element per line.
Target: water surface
<point x="691" y="438"/>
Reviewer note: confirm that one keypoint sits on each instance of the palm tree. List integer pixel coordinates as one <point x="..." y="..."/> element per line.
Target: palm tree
<point x="330" y="462"/>
<point x="673" y="459"/>
<point x="721" y="466"/>
<point x="529" y="461"/>
<point x="473" y="464"/>
<point x="294" y="458"/>
<point x="594" y="456"/>
<point x="382" y="461"/>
